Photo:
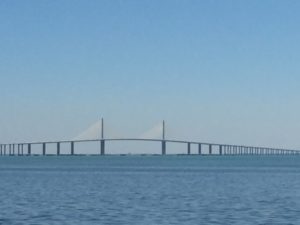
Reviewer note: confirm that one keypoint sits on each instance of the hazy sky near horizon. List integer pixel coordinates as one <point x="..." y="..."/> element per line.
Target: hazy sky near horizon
<point x="221" y="71"/>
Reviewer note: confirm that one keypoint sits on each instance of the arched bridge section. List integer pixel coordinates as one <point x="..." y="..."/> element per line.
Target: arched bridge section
<point x="22" y="149"/>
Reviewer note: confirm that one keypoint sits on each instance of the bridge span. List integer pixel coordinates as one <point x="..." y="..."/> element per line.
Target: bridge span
<point x="24" y="148"/>
<point x="21" y="149"/>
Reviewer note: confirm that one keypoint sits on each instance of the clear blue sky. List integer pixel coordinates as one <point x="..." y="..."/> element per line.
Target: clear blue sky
<point x="222" y="71"/>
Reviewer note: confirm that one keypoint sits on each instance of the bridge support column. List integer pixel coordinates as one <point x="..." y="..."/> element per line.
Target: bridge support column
<point x="189" y="148"/>
<point x="13" y="149"/>
<point x="163" y="147"/>
<point x="18" y="149"/>
<point x="220" y="149"/>
<point x="102" y="145"/>
<point x="72" y="147"/>
<point x="58" y="148"/>
<point x="210" y="149"/>
<point x="4" y="149"/>
<point x="44" y="148"/>
<point x="22" y="149"/>
<point x="29" y="149"/>
<point x="1" y="149"/>
<point x="199" y="149"/>
<point x="9" y="149"/>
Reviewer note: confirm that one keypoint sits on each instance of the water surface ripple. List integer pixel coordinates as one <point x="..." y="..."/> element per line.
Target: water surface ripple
<point x="150" y="190"/>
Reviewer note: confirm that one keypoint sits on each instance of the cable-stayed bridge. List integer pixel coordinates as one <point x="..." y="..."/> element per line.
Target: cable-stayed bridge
<point x="95" y="133"/>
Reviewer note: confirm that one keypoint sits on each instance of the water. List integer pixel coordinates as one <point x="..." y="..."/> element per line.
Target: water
<point x="150" y="190"/>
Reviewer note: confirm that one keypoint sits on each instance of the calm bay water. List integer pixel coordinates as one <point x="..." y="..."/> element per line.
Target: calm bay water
<point x="150" y="190"/>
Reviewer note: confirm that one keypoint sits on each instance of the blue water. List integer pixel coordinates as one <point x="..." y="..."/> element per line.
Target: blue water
<point x="150" y="190"/>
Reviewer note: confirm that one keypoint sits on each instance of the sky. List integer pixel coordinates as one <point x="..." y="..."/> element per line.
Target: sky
<point x="215" y="71"/>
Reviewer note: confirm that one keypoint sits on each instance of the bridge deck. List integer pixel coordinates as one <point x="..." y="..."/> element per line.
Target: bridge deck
<point x="223" y="149"/>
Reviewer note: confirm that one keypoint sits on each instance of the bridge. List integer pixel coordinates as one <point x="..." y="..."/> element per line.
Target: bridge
<point x="24" y="148"/>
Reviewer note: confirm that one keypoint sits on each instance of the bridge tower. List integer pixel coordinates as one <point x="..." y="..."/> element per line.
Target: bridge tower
<point x="163" y="142"/>
<point x="102" y="142"/>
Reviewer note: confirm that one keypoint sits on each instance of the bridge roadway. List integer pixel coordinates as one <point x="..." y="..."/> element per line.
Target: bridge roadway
<point x="13" y="149"/>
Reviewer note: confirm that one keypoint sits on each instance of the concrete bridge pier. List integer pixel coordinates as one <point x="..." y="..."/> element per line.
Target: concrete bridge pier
<point x="199" y="149"/>
<point x="102" y="147"/>
<point x="44" y="148"/>
<point x="0" y="149"/>
<point x="29" y="149"/>
<point x="22" y="149"/>
<point x="58" y="148"/>
<point x="163" y="147"/>
<point x="220" y="150"/>
<point x="210" y="149"/>
<point x="13" y="149"/>
<point x="72" y="147"/>
<point x="188" y="148"/>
